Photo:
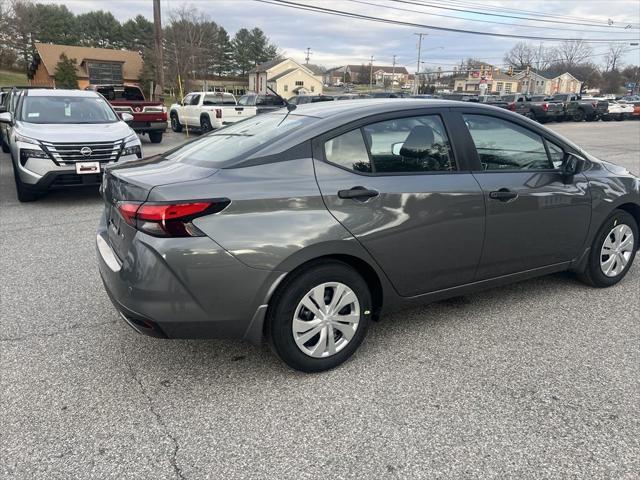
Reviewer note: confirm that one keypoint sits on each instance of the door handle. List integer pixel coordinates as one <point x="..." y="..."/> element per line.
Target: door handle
<point x="357" y="193"/>
<point x="504" y="195"/>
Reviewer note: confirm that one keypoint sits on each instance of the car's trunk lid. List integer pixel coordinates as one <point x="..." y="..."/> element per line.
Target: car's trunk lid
<point x="131" y="183"/>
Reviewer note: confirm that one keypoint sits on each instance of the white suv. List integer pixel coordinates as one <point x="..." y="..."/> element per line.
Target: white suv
<point x="64" y="138"/>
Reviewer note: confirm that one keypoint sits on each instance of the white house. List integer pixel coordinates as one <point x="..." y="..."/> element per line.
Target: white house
<point x="285" y="76"/>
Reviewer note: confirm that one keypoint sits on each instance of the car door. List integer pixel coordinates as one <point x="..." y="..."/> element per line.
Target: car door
<point x="536" y="216"/>
<point x="399" y="187"/>
<point x="193" y="110"/>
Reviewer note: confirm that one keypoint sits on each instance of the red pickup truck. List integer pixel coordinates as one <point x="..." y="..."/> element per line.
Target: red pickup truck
<point x="148" y="117"/>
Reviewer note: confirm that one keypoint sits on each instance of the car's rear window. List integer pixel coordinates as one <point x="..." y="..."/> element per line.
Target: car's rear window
<point x="222" y="147"/>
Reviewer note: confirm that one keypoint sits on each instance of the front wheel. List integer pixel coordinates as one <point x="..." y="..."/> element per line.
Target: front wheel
<point x="5" y="147"/>
<point x="23" y="191"/>
<point x="612" y="251"/>
<point x="176" y="126"/>
<point x="320" y="317"/>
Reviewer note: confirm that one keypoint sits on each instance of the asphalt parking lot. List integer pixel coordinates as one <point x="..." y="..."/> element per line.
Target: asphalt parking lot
<point x="540" y="379"/>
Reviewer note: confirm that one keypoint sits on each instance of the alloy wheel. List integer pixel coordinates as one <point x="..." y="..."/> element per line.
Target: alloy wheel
<point x="326" y="319"/>
<point x="616" y="250"/>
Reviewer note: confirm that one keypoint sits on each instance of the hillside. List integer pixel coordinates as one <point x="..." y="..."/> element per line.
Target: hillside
<point x="8" y="78"/>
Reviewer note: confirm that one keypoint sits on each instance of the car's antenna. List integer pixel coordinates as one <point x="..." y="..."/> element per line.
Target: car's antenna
<point x="290" y="106"/>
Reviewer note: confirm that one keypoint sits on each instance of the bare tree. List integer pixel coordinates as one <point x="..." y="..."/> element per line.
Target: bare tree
<point x="572" y="52"/>
<point x="543" y="57"/>
<point x="613" y="56"/>
<point x="520" y="56"/>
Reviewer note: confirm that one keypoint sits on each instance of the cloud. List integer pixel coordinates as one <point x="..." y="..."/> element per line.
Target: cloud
<point x="337" y="40"/>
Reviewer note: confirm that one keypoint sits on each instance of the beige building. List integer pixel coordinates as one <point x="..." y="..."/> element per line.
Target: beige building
<point x="286" y="77"/>
<point x="496" y="81"/>
<point x="94" y="66"/>
<point x="564" y="83"/>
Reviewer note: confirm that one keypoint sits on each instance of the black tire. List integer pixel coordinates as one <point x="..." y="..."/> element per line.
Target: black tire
<point x="593" y="274"/>
<point x="155" y="137"/>
<point x="579" y="116"/>
<point x="5" y="147"/>
<point x="205" y="124"/>
<point x="286" y="300"/>
<point x="23" y="191"/>
<point x="176" y="126"/>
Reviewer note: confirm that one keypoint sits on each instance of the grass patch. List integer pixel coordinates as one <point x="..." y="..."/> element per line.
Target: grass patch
<point x="9" y="78"/>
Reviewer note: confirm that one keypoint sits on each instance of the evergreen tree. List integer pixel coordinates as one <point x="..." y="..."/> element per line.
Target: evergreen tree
<point x="99" y="29"/>
<point x="65" y="75"/>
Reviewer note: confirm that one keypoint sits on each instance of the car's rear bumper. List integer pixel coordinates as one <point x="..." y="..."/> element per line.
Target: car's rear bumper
<point x="142" y="127"/>
<point x="184" y="288"/>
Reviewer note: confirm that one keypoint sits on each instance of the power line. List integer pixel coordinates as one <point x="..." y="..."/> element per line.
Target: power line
<point x="478" y="12"/>
<point x="527" y="12"/>
<point x="342" y="13"/>
<point x="476" y="19"/>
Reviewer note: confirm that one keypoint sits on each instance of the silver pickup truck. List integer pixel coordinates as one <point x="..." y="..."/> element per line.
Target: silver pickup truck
<point x="207" y="111"/>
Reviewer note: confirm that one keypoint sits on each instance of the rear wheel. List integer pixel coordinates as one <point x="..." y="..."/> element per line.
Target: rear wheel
<point x="320" y="317"/>
<point x="205" y="124"/>
<point x="176" y="126"/>
<point x="579" y="116"/>
<point x="613" y="250"/>
<point x="155" y="137"/>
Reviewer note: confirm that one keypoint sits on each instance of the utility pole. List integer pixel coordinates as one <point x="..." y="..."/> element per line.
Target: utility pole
<point x="417" y="77"/>
<point x="393" y="73"/>
<point x="306" y="59"/>
<point x="371" y="75"/>
<point x="157" y="27"/>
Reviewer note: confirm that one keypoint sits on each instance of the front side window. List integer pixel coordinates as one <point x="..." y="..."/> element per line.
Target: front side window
<point x="54" y="109"/>
<point x="503" y="145"/>
<point x="402" y="145"/>
<point x="556" y="154"/>
<point x="195" y="100"/>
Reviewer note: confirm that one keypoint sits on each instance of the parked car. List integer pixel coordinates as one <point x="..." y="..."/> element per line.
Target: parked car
<point x="303" y="226"/>
<point x="65" y="138"/>
<point x="208" y="111"/>
<point x="263" y="103"/>
<point x="618" y="111"/>
<point x="578" y="109"/>
<point x="148" y="117"/>
<point x="632" y="100"/>
<point x="544" y="109"/>
<point x="303" y="99"/>
<point x="389" y="95"/>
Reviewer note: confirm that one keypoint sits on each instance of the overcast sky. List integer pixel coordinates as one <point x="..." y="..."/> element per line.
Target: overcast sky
<point x="337" y="40"/>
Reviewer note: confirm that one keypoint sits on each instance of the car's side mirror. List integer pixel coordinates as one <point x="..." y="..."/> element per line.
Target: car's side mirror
<point x="6" y="117"/>
<point x="126" y="117"/>
<point x="396" y="147"/>
<point x="572" y="165"/>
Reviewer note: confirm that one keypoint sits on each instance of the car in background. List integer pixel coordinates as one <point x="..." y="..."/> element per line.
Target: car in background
<point x="65" y="138"/>
<point x="302" y="226"/>
<point x="389" y="95"/>
<point x="10" y="101"/>
<point x="544" y="109"/>
<point x="304" y="99"/>
<point x="208" y="111"/>
<point x="351" y="96"/>
<point x="149" y="117"/>
<point x="618" y="111"/>
<point x="578" y="109"/>
<point x="263" y="103"/>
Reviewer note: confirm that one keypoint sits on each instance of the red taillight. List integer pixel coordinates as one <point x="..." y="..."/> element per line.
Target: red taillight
<point x="169" y="219"/>
<point x="512" y="106"/>
<point x="218" y="113"/>
<point x="594" y="104"/>
<point x="545" y="107"/>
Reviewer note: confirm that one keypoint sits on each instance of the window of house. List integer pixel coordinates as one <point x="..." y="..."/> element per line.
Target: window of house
<point x="499" y="86"/>
<point x="104" y="72"/>
<point x="299" y="83"/>
<point x="507" y="88"/>
<point x="313" y="88"/>
<point x="286" y="88"/>
<point x="503" y="145"/>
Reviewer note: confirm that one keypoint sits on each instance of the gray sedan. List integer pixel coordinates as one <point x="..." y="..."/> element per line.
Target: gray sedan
<point x="302" y="226"/>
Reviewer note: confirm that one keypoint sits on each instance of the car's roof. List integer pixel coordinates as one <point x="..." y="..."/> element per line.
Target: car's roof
<point x="39" y="92"/>
<point x="366" y="107"/>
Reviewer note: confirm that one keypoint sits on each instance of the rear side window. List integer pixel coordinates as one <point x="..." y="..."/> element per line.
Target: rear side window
<point x="402" y="145"/>
<point x="503" y="145"/>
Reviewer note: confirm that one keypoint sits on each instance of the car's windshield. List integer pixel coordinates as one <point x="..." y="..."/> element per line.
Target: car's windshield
<point x="238" y="140"/>
<point x="63" y="110"/>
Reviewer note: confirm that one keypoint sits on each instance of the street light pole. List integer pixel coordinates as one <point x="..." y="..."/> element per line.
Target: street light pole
<point x="157" y="27"/>
<point x="371" y="75"/>
<point x="417" y="76"/>
<point x="393" y="73"/>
